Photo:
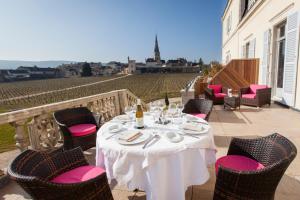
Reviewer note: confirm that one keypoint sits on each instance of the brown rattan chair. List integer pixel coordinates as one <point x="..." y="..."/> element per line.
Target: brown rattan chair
<point x="34" y="172"/>
<point x="275" y="152"/>
<point x="76" y="116"/>
<point x="216" y="93"/>
<point x="199" y="107"/>
<point x="256" y="97"/>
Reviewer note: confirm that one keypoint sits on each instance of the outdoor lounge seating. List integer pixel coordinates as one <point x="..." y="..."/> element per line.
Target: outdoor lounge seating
<point x="253" y="168"/>
<point x="216" y="93"/>
<point x="199" y="107"/>
<point x="79" y="127"/>
<point x="255" y="95"/>
<point x="59" y="175"/>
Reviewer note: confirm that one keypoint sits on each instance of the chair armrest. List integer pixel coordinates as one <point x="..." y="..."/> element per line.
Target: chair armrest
<point x="209" y="92"/>
<point x="244" y="91"/>
<point x="264" y="93"/>
<point x="225" y="90"/>
<point x="98" y="119"/>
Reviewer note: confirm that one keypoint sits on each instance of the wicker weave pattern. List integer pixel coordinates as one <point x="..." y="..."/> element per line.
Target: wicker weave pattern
<point x="203" y="106"/>
<point x="263" y="97"/>
<point x="275" y="152"/>
<point x="209" y="94"/>
<point x="33" y="170"/>
<point x="73" y="116"/>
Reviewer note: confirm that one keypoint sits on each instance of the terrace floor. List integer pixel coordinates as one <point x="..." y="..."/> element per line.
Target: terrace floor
<point x="246" y="122"/>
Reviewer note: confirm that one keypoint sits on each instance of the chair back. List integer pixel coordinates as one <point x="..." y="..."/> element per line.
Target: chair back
<point x="277" y="149"/>
<point x="74" y="116"/>
<point x="203" y="106"/>
<point x="31" y="165"/>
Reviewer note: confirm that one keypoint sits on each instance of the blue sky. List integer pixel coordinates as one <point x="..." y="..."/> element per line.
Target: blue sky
<point x="105" y="30"/>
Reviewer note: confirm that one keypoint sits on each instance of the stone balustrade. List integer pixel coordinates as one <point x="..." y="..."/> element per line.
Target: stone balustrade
<point x="35" y="127"/>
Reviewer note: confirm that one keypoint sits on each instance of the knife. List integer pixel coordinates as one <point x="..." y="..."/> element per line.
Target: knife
<point x="150" y="139"/>
<point x="112" y="135"/>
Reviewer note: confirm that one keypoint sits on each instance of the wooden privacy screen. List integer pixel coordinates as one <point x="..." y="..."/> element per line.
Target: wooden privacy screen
<point x="236" y="74"/>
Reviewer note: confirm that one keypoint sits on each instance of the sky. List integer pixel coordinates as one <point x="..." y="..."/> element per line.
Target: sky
<point x="106" y="30"/>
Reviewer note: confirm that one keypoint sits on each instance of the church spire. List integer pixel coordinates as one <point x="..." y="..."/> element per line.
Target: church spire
<point x="156" y="51"/>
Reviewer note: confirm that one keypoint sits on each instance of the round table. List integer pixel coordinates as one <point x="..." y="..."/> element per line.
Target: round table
<point x="164" y="170"/>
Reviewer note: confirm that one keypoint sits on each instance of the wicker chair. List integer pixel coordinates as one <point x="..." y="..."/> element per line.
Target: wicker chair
<point x="199" y="107"/>
<point x="216" y="93"/>
<point x="76" y="116"/>
<point x="255" y="97"/>
<point x="34" y="172"/>
<point x="275" y="152"/>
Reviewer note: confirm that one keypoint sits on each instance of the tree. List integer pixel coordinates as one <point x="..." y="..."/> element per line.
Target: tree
<point x="201" y="63"/>
<point x="86" y="70"/>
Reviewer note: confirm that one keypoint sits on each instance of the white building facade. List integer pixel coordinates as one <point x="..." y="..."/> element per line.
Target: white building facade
<point x="268" y="30"/>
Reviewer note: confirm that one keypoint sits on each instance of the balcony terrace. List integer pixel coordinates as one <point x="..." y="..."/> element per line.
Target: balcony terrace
<point x="247" y="122"/>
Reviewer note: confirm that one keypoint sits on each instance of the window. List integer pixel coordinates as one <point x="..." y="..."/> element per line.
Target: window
<point x="247" y="50"/>
<point x="229" y="23"/>
<point x="228" y="57"/>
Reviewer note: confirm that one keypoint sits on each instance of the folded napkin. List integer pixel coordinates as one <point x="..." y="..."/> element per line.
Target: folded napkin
<point x="131" y="137"/>
<point x="123" y="118"/>
<point x="192" y="127"/>
<point x="113" y="127"/>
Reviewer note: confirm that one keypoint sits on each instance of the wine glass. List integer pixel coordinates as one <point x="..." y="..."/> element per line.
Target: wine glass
<point x="160" y="104"/>
<point x="172" y="110"/>
<point x="128" y="111"/>
<point x="180" y="107"/>
<point x="156" y="114"/>
<point x="152" y="106"/>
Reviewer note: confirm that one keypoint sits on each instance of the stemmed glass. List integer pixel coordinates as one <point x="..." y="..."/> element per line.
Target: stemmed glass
<point x="160" y="104"/>
<point x="180" y="108"/>
<point x="128" y="111"/>
<point x="172" y="110"/>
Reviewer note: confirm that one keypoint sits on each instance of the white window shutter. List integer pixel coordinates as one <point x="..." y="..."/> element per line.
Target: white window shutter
<point x="265" y="58"/>
<point x="290" y="62"/>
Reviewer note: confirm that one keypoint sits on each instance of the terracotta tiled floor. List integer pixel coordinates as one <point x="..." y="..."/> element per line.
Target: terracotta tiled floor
<point x="246" y="122"/>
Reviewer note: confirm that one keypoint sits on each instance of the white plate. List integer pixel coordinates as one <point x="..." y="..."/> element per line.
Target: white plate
<point x="192" y="118"/>
<point x="191" y="132"/>
<point x="114" y="128"/>
<point x="139" y="140"/>
<point x="173" y="137"/>
<point x="122" y="118"/>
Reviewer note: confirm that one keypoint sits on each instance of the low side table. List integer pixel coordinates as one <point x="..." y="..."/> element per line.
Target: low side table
<point x="232" y="102"/>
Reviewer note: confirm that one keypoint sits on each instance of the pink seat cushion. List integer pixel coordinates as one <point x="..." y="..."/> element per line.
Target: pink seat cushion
<point x="79" y="174"/>
<point x="249" y="96"/>
<point x="220" y="95"/>
<point x="82" y="129"/>
<point x="254" y="87"/>
<point x="199" y="115"/>
<point x="215" y="88"/>
<point x="239" y="163"/>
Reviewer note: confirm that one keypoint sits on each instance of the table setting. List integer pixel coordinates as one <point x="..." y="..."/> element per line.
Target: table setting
<point x="170" y="152"/>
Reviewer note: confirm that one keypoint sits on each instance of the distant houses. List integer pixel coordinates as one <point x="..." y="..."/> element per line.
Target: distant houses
<point x="28" y="73"/>
<point x="157" y="65"/>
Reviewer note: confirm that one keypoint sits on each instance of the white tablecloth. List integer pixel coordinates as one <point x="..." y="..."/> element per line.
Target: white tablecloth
<point x="163" y="170"/>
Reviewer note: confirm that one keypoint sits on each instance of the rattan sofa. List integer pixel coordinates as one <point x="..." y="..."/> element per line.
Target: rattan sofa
<point x="199" y="107"/>
<point x="255" y="95"/>
<point x="34" y="171"/>
<point x="275" y="152"/>
<point x="76" y="116"/>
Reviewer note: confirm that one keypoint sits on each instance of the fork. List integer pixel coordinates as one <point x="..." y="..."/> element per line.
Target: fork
<point x="154" y="136"/>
